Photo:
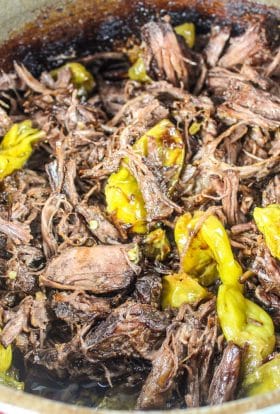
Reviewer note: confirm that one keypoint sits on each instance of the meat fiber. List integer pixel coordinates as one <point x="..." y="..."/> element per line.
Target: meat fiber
<point x="81" y="294"/>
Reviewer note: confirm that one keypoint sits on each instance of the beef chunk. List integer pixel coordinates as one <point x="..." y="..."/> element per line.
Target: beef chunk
<point x="249" y="47"/>
<point x="148" y="289"/>
<point x="188" y="349"/>
<point x="79" y="308"/>
<point x="271" y="193"/>
<point x="99" y="269"/>
<point x="226" y="376"/>
<point x="218" y="39"/>
<point x="130" y="330"/>
<point x="162" y="54"/>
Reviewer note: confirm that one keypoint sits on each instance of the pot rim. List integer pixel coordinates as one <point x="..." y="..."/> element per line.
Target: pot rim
<point x="42" y="405"/>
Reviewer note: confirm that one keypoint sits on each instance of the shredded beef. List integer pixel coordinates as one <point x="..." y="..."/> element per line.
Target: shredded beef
<point x="80" y="293"/>
<point x="163" y="55"/>
<point x="224" y="382"/>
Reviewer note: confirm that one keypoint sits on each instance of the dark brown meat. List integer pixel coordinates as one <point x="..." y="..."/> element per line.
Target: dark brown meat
<point x="5" y="122"/>
<point x="148" y="289"/>
<point x="226" y="376"/>
<point x="268" y="270"/>
<point x="99" y="269"/>
<point x="200" y="351"/>
<point x="131" y="330"/>
<point x="271" y="193"/>
<point x="251" y="74"/>
<point x="79" y="308"/>
<point x="20" y="277"/>
<point x="249" y="47"/>
<point x="274" y="67"/>
<point x="220" y="79"/>
<point x="260" y="102"/>
<point x="217" y="42"/>
<point x="69" y="187"/>
<point x="98" y="224"/>
<point x="270" y="301"/>
<point x="141" y="112"/>
<point x="227" y="188"/>
<point x="189" y="345"/>
<point x="38" y="313"/>
<point x="243" y="101"/>
<point x="17" y="322"/>
<point x="232" y="112"/>
<point x="50" y="209"/>
<point x="157" y="204"/>
<point x="16" y="231"/>
<point x="162" y="53"/>
<point x="167" y="365"/>
<point x="29" y="80"/>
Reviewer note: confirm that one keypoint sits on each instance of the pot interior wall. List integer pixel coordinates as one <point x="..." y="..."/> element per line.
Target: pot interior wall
<point x="36" y="32"/>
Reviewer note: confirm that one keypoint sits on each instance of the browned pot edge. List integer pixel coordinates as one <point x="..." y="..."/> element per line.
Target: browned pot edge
<point x="88" y="26"/>
<point x="45" y="406"/>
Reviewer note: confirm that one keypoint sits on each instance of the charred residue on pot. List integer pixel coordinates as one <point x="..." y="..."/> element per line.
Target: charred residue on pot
<point x="85" y="28"/>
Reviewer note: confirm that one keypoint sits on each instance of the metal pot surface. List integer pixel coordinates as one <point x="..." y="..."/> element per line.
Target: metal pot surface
<point x="34" y="31"/>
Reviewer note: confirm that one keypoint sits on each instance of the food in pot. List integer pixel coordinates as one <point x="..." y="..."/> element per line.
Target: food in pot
<point x="140" y="221"/>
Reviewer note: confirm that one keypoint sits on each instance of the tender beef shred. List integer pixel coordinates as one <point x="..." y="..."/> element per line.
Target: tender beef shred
<point x="80" y="297"/>
<point x="185" y="356"/>
<point x="163" y="54"/>
<point x="224" y="381"/>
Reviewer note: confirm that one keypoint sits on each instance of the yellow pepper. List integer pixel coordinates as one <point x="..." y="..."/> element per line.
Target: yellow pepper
<point x="157" y="244"/>
<point x="16" y="147"/>
<point x="263" y="379"/>
<point x="187" y="31"/>
<point x="195" y="128"/>
<point x="268" y="223"/>
<point x="125" y="201"/>
<point x="242" y="321"/>
<point x="10" y="381"/>
<point x="5" y="358"/>
<point x="7" y="375"/>
<point x="123" y="196"/>
<point x="245" y="323"/>
<point x="138" y="72"/>
<point x="181" y="288"/>
<point x="81" y="78"/>
<point x="209" y="254"/>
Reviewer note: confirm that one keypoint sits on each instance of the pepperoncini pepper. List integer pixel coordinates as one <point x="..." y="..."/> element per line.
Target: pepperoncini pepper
<point x="16" y="147"/>
<point x="123" y="196"/>
<point x="242" y="321"/>
<point x="195" y="127"/>
<point x="181" y="288"/>
<point x="7" y="376"/>
<point x="246" y="324"/>
<point x="209" y="253"/>
<point x="10" y="380"/>
<point x="263" y="379"/>
<point x="5" y="358"/>
<point x="137" y="71"/>
<point x="81" y="78"/>
<point x="187" y="31"/>
<point x="157" y="244"/>
<point x="268" y="223"/>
